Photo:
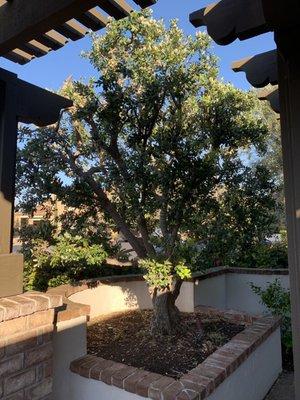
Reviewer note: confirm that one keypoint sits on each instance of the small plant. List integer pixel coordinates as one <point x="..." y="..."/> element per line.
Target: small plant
<point x="161" y="274"/>
<point x="277" y="300"/>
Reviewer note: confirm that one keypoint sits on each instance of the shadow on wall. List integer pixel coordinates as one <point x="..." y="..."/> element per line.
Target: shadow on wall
<point x="115" y="294"/>
<point x="105" y="296"/>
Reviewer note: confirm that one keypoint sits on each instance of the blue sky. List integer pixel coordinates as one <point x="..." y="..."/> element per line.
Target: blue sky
<point x="50" y="71"/>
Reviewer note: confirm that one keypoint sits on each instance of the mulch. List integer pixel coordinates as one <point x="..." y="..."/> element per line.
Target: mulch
<point x="126" y="338"/>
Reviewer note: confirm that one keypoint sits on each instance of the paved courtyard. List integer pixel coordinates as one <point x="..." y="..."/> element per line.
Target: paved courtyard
<point x="283" y="389"/>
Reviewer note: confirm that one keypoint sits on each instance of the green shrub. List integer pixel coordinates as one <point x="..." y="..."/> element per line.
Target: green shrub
<point x="265" y="255"/>
<point x="277" y="300"/>
<point x="30" y="235"/>
<point x="70" y="259"/>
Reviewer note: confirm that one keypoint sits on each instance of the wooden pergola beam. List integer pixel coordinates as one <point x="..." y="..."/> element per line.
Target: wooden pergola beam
<point x="237" y="22"/>
<point x="228" y="20"/>
<point x="23" y="20"/>
<point x="261" y="70"/>
<point x="271" y="94"/>
<point x="35" y="27"/>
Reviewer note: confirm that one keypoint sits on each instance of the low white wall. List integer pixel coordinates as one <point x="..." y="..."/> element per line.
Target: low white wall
<point x="233" y="291"/>
<point x="122" y="296"/>
<point x="89" y="389"/>
<point x="255" y="377"/>
<point x="211" y="292"/>
<point x="226" y="291"/>
<point x="240" y="296"/>
<point x="69" y="343"/>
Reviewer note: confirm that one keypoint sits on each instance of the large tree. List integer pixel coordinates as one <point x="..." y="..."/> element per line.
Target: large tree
<point x="150" y="141"/>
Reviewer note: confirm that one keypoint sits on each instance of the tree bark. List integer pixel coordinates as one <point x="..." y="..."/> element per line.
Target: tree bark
<point x="166" y="316"/>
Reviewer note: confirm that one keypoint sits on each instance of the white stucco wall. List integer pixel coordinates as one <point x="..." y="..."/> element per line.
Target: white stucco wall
<point x="239" y="295"/>
<point x="232" y="291"/>
<point x="227" y="291"/>
<point x="89" y="389"/>
<point x="255" y="377"/>
<point x="69" y="343"/>
<point x="121" y="296"/>
<point x="211" y="292"/>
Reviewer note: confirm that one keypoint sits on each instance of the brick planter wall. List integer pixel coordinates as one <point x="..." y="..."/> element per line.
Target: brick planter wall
<point x="26" y="351"/>
<point x="200" y="382"/>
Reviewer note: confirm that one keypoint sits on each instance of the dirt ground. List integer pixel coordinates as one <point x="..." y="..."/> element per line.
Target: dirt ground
<point x="126" y="338"/>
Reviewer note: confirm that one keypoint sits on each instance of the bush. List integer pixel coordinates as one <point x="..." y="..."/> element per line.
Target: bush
<point x="277" y="300"/>
<point x="265" y="255"/>
<point x="254" y="255"/>
<point x="44" y="231"/>
<point x="70" y="259"/>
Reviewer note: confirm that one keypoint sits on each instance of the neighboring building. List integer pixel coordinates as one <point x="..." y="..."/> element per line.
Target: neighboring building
<point x="51" y="209"/>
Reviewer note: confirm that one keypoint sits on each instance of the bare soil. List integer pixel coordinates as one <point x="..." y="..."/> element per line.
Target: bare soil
<point x="126" y="338"/>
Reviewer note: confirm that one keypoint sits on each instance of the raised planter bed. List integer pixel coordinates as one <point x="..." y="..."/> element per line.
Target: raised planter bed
<point x="247" y="369"/>
<point x="248" y="353"/>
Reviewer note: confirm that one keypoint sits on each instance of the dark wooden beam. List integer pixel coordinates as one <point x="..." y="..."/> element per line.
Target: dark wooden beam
<point x="228" y="20"/>
<point x="260" y="70"/>
<point x="35" y="48"/>
<point x="271" y="94"/>
<point x="38" y="106"/>
<point x="52" y="39"/>
<point x="289" y="84"/>
<point x="72" y="30"/>
<point x="19" y="56"/>
<point x="145" y="3"/>
<point x="93" y="20"/>
<point x="8" y="143"/>
<point x="24" y="20"/>
<point x="281" y="14"/>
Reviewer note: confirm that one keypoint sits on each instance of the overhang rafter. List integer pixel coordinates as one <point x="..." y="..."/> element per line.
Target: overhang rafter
<point x="261" y="69"/>
<point x="51" y="23"/>
<point x="228" y="20"/>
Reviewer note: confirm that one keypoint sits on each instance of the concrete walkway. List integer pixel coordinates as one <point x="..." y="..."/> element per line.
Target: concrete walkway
<point x="283" y="388"/>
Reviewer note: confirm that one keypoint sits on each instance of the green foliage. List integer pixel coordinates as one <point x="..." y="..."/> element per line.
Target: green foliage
<point x="265" y="255"/>
<point x="44" y="231"/>
<point x="70" y="259"/>
<point x="182" y="271"/>
<point x="240" y="217"/>
<point x="160" y="274"/>
<point x="277" y="300"/>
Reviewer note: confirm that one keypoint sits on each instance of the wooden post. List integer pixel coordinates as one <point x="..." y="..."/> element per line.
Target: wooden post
<point x="289" y="85"/>
<point x="11" y="265"/>
<point x="19" y="101"/>
<point x="8" y="143"/>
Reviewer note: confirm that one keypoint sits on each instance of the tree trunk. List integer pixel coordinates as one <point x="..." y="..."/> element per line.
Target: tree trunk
<point x="166" y="316"/>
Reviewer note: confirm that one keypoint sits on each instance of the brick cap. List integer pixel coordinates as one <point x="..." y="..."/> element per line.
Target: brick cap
<point x="27" y="303"/>
<point x="197" y="384"/>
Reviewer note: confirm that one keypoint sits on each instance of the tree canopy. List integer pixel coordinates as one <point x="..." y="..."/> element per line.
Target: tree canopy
<point x="153" y="141"/>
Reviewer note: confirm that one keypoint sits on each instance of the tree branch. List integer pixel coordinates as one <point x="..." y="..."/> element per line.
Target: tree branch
<point x="105" y="203"/>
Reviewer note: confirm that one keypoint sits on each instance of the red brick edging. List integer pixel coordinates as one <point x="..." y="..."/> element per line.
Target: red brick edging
<point x="199" y="383"/>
